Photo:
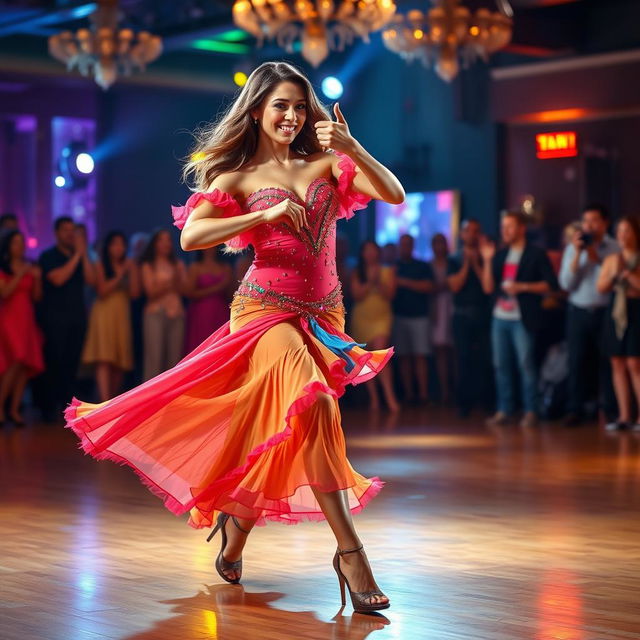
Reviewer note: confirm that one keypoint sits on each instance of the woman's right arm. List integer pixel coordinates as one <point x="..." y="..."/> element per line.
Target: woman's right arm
<point x="206" y="227"/>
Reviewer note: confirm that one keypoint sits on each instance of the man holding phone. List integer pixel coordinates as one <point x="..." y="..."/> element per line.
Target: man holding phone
<point x="589" y="370"/>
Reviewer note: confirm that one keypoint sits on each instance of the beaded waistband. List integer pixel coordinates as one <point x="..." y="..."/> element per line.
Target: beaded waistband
<point x="252" y="290"/>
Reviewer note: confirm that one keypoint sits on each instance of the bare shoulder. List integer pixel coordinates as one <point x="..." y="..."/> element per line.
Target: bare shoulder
<point x="230" y="183"/>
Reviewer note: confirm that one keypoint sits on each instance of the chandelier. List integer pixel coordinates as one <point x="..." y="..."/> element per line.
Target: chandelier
<point x="104" y="49"/>
<point x="320" y="26"/>
<point x="448" y="33"/>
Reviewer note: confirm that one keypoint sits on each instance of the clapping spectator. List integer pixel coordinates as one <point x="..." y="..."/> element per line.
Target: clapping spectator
<point x="471" y="323"/>
<point x="66" y="269"/>
<point x="373" y="286"/>
<point x="164" y="278"/>
<point x="109" y="343"/>
<point x="20" y="338"/>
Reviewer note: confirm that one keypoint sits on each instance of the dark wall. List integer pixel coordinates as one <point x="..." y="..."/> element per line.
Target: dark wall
<point x="606" y="169"/>
<point x="145" y="136"/>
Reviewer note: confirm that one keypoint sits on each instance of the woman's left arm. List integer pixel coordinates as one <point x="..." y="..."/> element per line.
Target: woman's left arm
<point x="372" y="178"/>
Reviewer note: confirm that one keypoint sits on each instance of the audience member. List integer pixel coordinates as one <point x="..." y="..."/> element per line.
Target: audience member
<point x="208" y="282"/>
<point x="519" y="275"/>
<point x="441" y="315"/>
<point x="411" y="335"/>
<point x="20" y="337"/>
<point x="164" y="279"/>
<point x="389" y="254"/>
<point x="8" y="222"/>
<point x="620" y="274"/>
<point x="471" y="323"/>
<point x="137" y="245"/>
<point x="65" y="270"/>
<point x="373" y="286"/>
<point x="581" y="263"/>
<point x="109" y="344"/>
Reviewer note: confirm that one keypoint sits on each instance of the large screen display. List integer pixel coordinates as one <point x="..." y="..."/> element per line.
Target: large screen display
<point x="421" y="215"/>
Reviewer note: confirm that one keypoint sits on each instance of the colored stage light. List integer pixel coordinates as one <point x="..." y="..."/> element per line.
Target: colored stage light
<point x="84" y="163"/>
<point x="240" y="78"/>
<point x="75" y="166"/>
<point x="332" y="87"/>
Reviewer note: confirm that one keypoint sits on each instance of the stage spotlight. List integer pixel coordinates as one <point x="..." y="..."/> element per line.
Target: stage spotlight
<point x="75" y="166"/>
<point x="84" y="163"/>
<point x="332" y="87"/>
<point x="240" y="78"/>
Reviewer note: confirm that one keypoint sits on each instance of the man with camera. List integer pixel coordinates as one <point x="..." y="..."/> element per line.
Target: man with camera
<point x="589" y="369"/>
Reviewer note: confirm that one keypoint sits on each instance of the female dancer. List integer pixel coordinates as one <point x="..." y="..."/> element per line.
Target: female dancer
<point x="247" y="426"/>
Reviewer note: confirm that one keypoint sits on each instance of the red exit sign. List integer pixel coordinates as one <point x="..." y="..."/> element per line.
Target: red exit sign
<point x="560" y="144"/>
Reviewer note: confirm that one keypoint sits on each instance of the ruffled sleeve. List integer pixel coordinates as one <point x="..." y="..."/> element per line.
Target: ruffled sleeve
<point x="220" y="199"/>
<point x="350" y="199"/>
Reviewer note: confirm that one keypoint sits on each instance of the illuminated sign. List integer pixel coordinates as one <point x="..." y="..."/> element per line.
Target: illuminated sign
<point x="561" y="144"/>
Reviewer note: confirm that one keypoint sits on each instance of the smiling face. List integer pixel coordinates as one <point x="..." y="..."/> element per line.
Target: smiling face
<point x="283" y="113"/>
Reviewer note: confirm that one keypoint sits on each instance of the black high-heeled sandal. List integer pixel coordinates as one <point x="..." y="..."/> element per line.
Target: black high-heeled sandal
<point x="223" y="565"/>
<point x="358" y="598"/>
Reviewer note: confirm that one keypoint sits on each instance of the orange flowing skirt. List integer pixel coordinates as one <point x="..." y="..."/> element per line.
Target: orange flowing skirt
<point x="247" y="423"/>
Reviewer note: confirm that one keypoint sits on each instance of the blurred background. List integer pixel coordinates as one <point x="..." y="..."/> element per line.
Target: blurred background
<point x="568" y="66"/>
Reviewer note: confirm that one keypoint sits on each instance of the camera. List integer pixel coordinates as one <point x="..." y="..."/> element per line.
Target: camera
<point x="587" y="239"/>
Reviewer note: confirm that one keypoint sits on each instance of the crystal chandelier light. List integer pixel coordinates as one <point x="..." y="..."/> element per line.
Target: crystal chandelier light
<point x="447" y="33"/>
<point x="321" y="26"/>
<point x="104" y="49"/>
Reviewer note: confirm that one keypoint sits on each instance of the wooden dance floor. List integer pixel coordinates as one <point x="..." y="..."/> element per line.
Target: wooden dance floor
<point x="478" y="534"/>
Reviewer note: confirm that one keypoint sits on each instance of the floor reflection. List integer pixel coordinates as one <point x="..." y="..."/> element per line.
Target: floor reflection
<point x="228" y="612"/>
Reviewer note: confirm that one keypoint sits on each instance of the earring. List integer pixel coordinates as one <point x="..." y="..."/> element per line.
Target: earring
<point x="255" y="121"/>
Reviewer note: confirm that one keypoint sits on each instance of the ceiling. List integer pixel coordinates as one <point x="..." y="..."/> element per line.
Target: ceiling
<point x="197" y="29"/>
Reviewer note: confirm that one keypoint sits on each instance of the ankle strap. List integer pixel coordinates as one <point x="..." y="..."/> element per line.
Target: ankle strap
<point x="341" y="552"/>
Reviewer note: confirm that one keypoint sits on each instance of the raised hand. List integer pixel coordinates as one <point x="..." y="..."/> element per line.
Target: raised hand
<point x="335" y="135"/>
<point x="286" y="211"/>
<point x="487" y="249"/>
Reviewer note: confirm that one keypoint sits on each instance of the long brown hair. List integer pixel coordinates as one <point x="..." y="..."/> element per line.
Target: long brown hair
<point x="229" y="142"/>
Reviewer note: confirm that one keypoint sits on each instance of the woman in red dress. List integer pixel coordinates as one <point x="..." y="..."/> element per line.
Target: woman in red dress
<point x="20" y="338"/>
<point x="246" y="428"/>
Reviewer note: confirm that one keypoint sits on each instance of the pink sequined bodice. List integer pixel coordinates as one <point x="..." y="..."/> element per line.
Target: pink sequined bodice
<point x="301" y="264"/>
<point x="292" y="270"/>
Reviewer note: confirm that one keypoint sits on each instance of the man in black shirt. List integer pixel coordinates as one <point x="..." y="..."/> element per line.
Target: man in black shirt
<point x="65" y="269"/>
<point x="471" y="323"/>
<point x="411" y="318"/>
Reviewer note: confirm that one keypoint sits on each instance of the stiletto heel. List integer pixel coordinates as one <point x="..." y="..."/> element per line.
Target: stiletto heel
<point x="358" y="598"/>
<point x="221" y="564"/>
<point x="342" y="594"/>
